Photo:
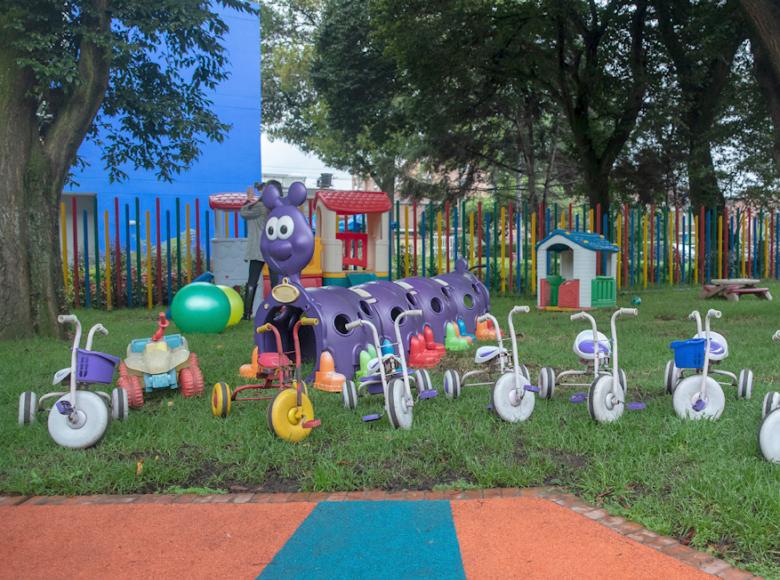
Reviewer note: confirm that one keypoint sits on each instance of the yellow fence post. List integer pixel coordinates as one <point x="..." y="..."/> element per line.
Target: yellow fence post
<point x="471" y="240"/>
<point x="503" y="250"/>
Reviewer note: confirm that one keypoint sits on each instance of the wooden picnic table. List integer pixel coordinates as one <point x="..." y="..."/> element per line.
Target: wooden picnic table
<point x="732" y="288"/>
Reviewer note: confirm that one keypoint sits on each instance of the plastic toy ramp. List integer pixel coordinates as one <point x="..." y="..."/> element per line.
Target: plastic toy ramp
<point x="510" y="533"/>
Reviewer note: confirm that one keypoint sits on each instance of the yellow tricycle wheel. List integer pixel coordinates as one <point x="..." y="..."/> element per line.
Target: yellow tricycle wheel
<point x="220" y="400"/>
<point x="285" y="417"/>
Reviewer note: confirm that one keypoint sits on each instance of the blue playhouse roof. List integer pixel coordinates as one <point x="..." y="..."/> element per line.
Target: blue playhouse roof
<point x="593" y="242"/>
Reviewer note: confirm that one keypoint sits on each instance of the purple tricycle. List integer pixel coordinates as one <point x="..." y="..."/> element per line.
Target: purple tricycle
<point x="79" y="417"/>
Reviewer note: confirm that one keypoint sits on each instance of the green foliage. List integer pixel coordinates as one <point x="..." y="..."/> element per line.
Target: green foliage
<point x="159" y="58"/>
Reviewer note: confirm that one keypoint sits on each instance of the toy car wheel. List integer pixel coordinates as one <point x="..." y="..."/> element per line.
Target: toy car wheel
<point x="451" y="384"/>
<point x="671" y="377"/>
<point x="196" y="385"/>
<point x="135" y="393"/>
<point x="221" y="400"/>
<point x="525" y="373"/>
<point x="546" y="383"/>
<point x="745" y="384"/>
<point x="510" y="400"/>
<point x="119" y="404"/>
<point x="399" y="407"/>
<point x="687" y="395"/>
<point x="85" y="427"/>
<point x="604" y="404"/>
<point x="28" y="406"/>
<point x="123" y="372"/>
<point x="623" y="380"/>
<point x="769" y="436"/>
<point x="286" y="418"/>
<point x="349" y="395"/>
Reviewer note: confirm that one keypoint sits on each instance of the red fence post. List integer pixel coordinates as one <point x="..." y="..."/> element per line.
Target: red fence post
<point x="414" y="236"/>
<point x="197" y="234"/>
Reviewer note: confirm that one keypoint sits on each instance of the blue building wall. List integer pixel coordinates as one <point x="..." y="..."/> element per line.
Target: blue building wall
<point x="231" y="165"/>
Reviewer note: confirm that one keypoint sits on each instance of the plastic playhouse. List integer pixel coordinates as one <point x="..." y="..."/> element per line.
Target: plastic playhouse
<point x="288" y="244"/>
<point x="575" y="271"/>
<point x="352" y="257"/>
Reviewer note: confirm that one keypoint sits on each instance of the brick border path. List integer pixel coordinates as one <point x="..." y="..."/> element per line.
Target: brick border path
<point x="669" y="546"/>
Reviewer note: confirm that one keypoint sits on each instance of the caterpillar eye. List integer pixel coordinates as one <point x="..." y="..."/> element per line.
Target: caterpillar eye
<point x="286" y="227"/>
<point x="272" y="228"/>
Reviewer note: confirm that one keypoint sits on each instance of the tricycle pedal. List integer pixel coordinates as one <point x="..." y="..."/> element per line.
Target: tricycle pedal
<point x="577" y="398"/>
<point x="311" y="423"/>
<point x="430" y="394"/>
<point x="64" y="407"/>
<point x="636" y="406"/>
<point x="371" y="417"/>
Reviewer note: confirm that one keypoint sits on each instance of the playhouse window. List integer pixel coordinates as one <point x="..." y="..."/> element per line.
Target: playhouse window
<point x="411" y="299"/>
<point x="446" y="291"/>
<point x="468" y="301"/>
<point x="365" y="308"/>
<point x="395" y="313"/>
<point x="340" y="323"/>
<point x="436" y="305"/>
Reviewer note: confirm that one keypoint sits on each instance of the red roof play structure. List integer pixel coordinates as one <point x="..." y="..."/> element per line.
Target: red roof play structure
<point x="227" y="201"/>
<point x="352" y="202"/>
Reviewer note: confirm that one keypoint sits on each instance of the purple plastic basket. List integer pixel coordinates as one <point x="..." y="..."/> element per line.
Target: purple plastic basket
<point x="95" y="367"/>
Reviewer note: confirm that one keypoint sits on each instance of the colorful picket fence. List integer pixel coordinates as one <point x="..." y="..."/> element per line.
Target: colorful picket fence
<point x="659" y="245"/>
<point x="139" y="255"/>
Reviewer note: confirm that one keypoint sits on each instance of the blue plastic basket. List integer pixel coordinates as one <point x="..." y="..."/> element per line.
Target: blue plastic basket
<point x="688" y="354"/>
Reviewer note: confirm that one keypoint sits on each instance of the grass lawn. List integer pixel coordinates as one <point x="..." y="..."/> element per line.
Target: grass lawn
<point x="702" y="482"/>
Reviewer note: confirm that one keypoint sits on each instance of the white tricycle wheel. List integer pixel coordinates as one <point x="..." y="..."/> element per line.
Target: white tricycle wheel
<point x="88" y="425"/>
<point x="771" y="402"/>
<point x="513" y="403"/>
<point x="119" y="404"/>
<point x="605" y="405"/>
<point x="687" y="394"/>
<point x="451" y="384"/>
<point x="623" y="380"/>
<point x="427" y="380"/>
<point x="546" y="383"/>
<point x="419" y="381"/>
<point x="525" y="373"/>
<point x="745" y="384"/>
<point x="28" y="406"/>
<point x="349" y="395"/>
<point x="671" y="377"/>
<point x="399" y="407"/>
<point x="769" y="437"/>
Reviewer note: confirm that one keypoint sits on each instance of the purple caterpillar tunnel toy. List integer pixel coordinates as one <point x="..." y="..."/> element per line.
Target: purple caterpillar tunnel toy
<point x="288" y="245"/>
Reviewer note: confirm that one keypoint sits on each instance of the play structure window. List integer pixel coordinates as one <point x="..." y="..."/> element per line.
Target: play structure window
<point x="446" y="291"/>
<point x="284" y="317"/>
<point x="468" y="301"/>
<point x="411" y="299"/>
<point x="365" y="308"/>
<point x="340" y="323"/>
<point x="395" y="313"/>
<point x="436" y="305"/>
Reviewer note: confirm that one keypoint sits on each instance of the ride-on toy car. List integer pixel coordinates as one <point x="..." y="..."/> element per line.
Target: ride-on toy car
<point x="79" y="417"/>
<point x="159" y="362"/>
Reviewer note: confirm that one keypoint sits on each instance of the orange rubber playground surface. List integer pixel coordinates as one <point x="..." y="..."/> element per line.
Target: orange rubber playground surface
<point x="525" y="535"/>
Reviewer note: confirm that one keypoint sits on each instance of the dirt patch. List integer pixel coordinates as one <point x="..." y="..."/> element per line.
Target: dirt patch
<point x="567" y="466"/>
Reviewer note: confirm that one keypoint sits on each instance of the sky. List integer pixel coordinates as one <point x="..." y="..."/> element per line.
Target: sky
<point x="281" y="157"/>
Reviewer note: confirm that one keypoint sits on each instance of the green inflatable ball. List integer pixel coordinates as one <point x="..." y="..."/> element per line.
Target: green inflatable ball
<point x="236" y="304"/>
<point x="201" y="307"/>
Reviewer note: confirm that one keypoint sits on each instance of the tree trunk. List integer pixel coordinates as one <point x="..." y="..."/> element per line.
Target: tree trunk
<point x="25" y="236"/>
<point x="702" y="181"/>
<point x="769" y="82"/>
<point x="764" y="18"/>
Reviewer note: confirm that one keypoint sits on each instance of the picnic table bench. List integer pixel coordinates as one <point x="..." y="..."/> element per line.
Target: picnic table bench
<point x="732" y="288"/>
